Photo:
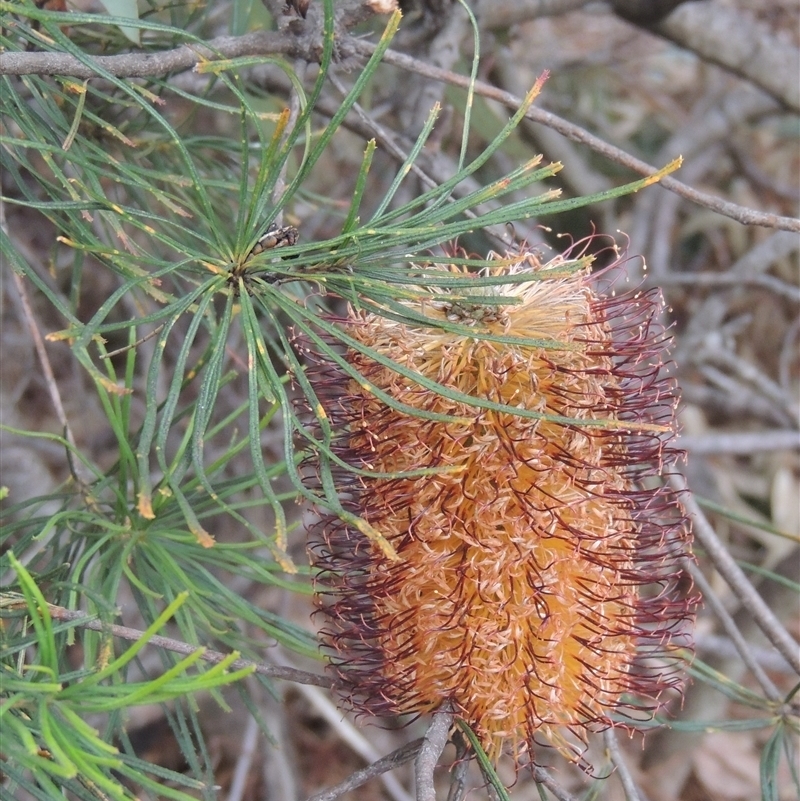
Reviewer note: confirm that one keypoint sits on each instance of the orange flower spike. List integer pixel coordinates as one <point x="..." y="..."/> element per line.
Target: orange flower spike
<point x="537" y="576"/>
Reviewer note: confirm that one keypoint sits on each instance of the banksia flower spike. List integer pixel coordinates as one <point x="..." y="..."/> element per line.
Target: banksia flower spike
<point x="533" y="583"/>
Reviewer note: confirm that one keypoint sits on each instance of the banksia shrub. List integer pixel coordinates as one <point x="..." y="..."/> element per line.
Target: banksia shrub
<point x="530" y="577"/>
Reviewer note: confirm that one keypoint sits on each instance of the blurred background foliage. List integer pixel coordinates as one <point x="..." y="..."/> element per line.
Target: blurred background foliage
<point x="150" y="439"/>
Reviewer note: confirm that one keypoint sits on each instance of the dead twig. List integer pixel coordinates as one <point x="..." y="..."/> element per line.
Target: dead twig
<point x="721" y="391"/>
<point x="732" y="630"/>
<point x="152" y="65"/>
<point x="628" y="784"/>
<point x="44" y="359"/>
<point x="133" y="65"/>
<point x="458" y="780"/>
<point x="741" y="214"/>
<point x="493" y="15"/>
<point x="746" y="47"/>
<point x="741" y="443"/>
<point x="350" y="735"/>
<point x="791" y="293"/>
<point x="718" y="645"/>
<point x="244" y="763"/>
<point x="398" y="757"/>
<point x="430" y="751"/>
<point x="726" y="566"/>
<point x="541" y="776"/>
<point x="752" y="375"/>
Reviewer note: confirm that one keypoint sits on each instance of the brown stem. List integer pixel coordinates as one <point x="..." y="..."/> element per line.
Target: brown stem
<point x="179" y="647"/>
<point x="150" y="65"/>
<point x="430" y="751"/>
<point x="134" y="65"/>
<point x="741" y="214"/>
<point x="726" y="566"/>
<point x="403" y="754"/>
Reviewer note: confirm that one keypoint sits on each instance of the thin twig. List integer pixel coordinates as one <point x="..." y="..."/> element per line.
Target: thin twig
<point x="759" y="258"/>
<point x="131" y="65"/>
<point x="788" y="354"/>
<point x="720" y="391"/>
<point x="782" y="288"/>
<point x="279" y="763"/>
<point x="751" y="374"/>
<point x="496" y="16"/>
<point x="153" y="65"/>
<point x="79" y="472"/>
<point x="294" y="111"/>
<point x="574" y="132"/>
<point x="112" y="353"/>
<point x="743" y="443"/>
<point x="708" y="319"/>
<point x="44" y="359"/>
<point x="352" y="737"/>
<point x="247" y="751"/>
<point x="399" y="757"/>
<point x="721" y="646"/>
<point x="761" y="178"/>
<point x="383" y="135"/>
<point x="458" y="779"/>
<point x="179" y="647"/>
<point x="745" y="46"/>
<point x="624" y="775"/>
<point x="387" y="140"/>
<point x="731" y="629"/>
<point x="431" y="750"/>
<point x="541" y="776"/>
<point x="726" y="566"/>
